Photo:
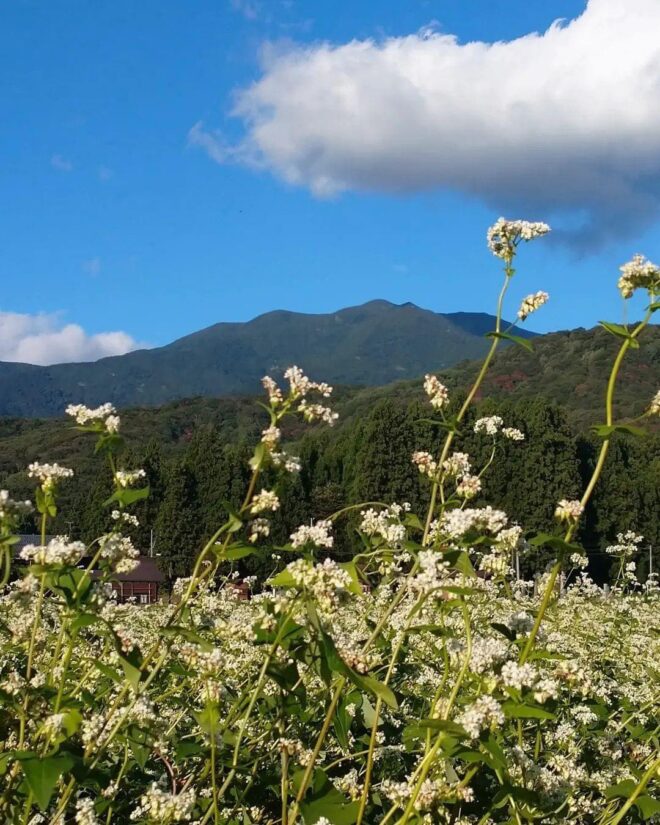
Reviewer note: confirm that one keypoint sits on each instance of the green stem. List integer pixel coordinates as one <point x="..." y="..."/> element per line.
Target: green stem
<point x="598" y="469"/>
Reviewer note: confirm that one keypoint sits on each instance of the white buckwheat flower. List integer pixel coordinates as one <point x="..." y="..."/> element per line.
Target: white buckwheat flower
<point x="484" y="713"/>
<point x="436" y="391"/>
<point x="85" y="814"/>
<point x="127" y="478"/>
<point x="654" y="408"/>
<point x="274" y="392"/>
<point x="531" y="303"/>
<point x="48" y="475"/>
<point x="458" y="464"/>
<point x="319" y="534"/>
<point x="102" y="417"/>
<point x="504" y="236"/>
<point x="425" y="463"/>
<point x="513" y="434"/>
<point x="270" y="437"/>
<point x="11" y="510"/>
<point x="265" y="500"/>
<point x="468" y="486"/>
<point x="58" y="551"/>
<point x="490" y="425"/>
<point x="568" y="510"/>
<point x="259" y="527"/>
<point x="638" y="273"/>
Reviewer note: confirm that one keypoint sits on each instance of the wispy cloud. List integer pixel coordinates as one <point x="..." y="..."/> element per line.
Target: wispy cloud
<point x="544" y="124"/>
<point x="61" y="164"/>
<point x="250" y="9"/>
<point x="105" y="174"/>
<point x="45" y="339"/>
<point x="92" y="266"/>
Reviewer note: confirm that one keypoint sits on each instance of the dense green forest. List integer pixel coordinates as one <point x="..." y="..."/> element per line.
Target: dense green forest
<point x="195" y="454"/>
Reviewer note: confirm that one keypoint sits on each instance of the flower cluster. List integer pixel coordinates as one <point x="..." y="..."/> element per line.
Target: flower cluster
<point x="119" y="552"/>
<point x="531" y="303"/>
<point x="436" y="391"/>
<point x="300" y="387"/>
<point x="48" y="475"/>
<point x="327" y="582"/>
<point x="457" y="523"/>
<point x="483" y="714"/>
<point x="264" y="500"/>
<point x="11" y="511"/>
<point x="59" y="550"/>
<point x="504" y="236"/>
<point x="425" y="463"/>
<point x="101" y="418"/>
<point x="639" y="273"/>
<point x="384" y="524"/>
<point x="163" y="807"/>
<point x="567" y="510"/>
<point x="490" y="424"/>
<point x="319" y="534"/>
<point x="127" y="478"/>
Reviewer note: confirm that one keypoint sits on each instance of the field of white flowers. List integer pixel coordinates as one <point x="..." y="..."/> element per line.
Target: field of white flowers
<point x="419" y="682"/>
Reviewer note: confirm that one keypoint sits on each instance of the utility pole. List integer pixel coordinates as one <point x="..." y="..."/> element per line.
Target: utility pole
<point x="650" y="560"/>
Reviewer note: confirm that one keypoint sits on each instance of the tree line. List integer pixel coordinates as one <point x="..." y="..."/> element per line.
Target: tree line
<point x="368" y="459"/>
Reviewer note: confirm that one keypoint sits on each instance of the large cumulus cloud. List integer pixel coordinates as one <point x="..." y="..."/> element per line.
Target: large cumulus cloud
<point x="565" y="120"/>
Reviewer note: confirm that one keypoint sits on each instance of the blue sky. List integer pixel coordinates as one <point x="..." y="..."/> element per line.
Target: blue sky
<point x="115" y="219"/>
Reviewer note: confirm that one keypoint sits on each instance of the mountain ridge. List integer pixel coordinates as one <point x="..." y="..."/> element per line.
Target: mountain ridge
<point x="367" y="345"/>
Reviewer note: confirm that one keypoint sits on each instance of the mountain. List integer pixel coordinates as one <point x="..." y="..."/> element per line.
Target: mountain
<point x="368" y="345"/>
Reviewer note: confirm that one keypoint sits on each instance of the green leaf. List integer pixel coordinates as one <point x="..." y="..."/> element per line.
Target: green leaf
<point x="606" y="430"/>
<point x="620" y="332"/>
<point x="187" y="634"/>
<point x="524" y="710"/>
<point x="621" y="790"/>
<point x="444" y="725"/>
<point x="655" y="305"/>
<point x="107" y="671"/>
<point x="258" y="456"/>
<point x="459" y="560"/>
<point x="449" y="426"/>
<point x="505" y="630"/>
<point x="235" y="552"/>
<point x="139" y="743"/>
<point x="324" y="800"/>
<point x="127" y="496"/>
<point x="282" y="579"/>
<point x="516" y="339"/>
<point x="355" y="586"/>
<point x="376" y="687"/>
<point x="42" y="775"/>
<point x="84" y="620"/>
<point x="648" y="806"/>
<point x="209" y="717"/>
<point x="547" y="540"/>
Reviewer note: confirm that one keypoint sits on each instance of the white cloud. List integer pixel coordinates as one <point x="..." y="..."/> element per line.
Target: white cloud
<point x="563" y="121"/>
<point x="44" y="339"/>
<point x="105" y="174"/>
<point x="61" y="164"/>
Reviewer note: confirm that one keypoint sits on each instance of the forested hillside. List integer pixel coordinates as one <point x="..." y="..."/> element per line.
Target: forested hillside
<point x="195" y="452"/>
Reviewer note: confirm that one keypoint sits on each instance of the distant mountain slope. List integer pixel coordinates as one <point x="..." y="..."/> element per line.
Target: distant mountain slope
<point x="370" y="345"/>
<point x="570" y="368"/>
